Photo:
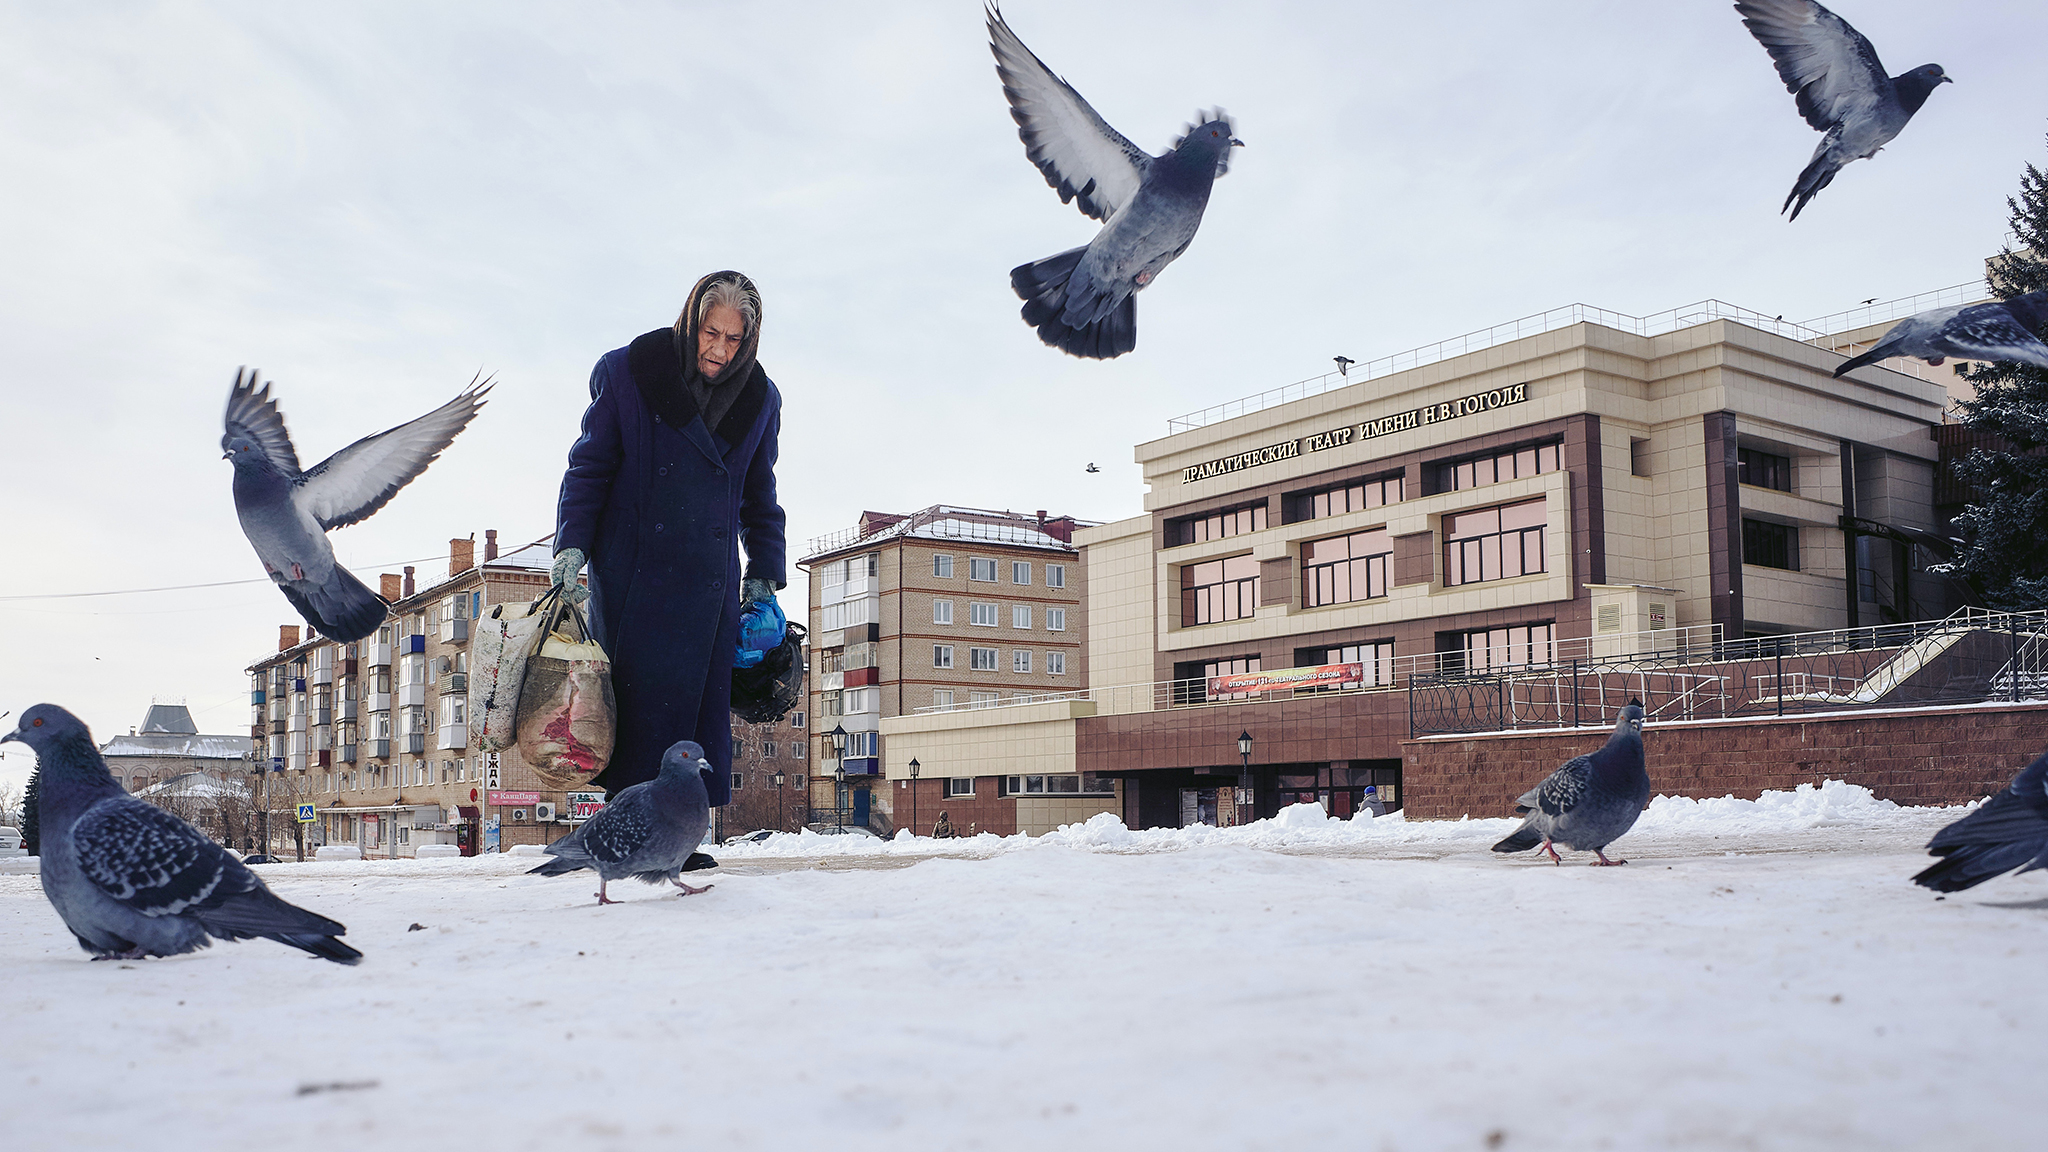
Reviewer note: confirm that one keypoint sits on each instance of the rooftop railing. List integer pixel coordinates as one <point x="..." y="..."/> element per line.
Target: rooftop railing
<point x="1816" y="331"/>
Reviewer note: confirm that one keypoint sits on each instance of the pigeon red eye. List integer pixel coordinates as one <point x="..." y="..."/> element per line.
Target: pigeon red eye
<point x="36" y="723"/>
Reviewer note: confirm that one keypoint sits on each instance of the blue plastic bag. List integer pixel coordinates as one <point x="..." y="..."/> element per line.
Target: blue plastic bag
<point x="762" y="627"/>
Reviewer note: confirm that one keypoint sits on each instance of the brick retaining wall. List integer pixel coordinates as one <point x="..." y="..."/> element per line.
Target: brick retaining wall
<point x="1922" y="756"/>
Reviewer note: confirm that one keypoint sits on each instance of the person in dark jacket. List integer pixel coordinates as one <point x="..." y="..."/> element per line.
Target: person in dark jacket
<point x="674" y="471"/>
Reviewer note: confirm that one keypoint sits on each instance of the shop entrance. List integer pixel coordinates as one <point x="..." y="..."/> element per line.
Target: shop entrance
<point x="1341" y="786"/>
<point x="1197" y="806"/>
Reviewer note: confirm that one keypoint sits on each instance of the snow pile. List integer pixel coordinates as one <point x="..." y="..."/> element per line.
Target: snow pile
<point x="1299" y="827"/>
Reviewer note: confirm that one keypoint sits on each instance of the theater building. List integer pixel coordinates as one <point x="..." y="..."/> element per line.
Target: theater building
<point x="1578" y="484"/>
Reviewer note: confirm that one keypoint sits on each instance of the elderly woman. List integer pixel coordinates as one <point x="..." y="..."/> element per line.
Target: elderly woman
<point x="674" y="470"/>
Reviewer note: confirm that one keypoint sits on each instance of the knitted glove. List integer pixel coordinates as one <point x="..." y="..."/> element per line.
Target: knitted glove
<point x="753" y="590"/>
<point x="568" y="562"/>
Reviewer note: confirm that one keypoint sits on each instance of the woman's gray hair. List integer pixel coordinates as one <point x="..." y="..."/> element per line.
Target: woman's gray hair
<point x="732" y="294"/>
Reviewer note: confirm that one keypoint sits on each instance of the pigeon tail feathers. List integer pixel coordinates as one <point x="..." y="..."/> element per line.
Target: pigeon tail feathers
<point x="1523" y="839"/>
<point x="1818" y="174"/>
<point x="325" y="947"/>
<point x="344" y="610"/>
<point x="1043" y="285"/>
<point x="559" y="866"/>
<point x="1880" y="351"/>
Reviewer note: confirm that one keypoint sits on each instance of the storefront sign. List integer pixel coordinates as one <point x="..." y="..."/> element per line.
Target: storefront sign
<point x="498" y="798"/>
<point x="584" y="805"/>
<point x="1384" y="426"/>
<point x="1322" y="676"/>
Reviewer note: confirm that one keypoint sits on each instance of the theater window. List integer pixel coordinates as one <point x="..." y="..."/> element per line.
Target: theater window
<point x="1345" y="568"/>
<point x="1352" y="496"/>
<point x="1216" y="525"/>
<point x="1191" y="678"/>
<point x="1763" y="469"/>
<point x="1769" y="545"/>
<point x="1493" y="543"/>
<point x="1494" y="468"/>
<point x="1491" y="649"/>
<point x="1218" y="590"/>
<point x="1377" y="659"/>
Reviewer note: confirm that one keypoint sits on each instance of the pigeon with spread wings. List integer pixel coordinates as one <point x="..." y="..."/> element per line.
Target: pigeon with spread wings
<point x="1082" y="301"/>
<point x="2006" y="330"/>
<point x="286" y="512"/>
<point x="1839" y="83"/>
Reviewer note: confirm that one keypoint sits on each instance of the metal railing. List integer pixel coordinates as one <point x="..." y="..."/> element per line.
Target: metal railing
<point x="1816" y="331"/>
<point x="1381" y="676"/>
<point x="1972" y="656"/>
<point x="1023" y="531"/>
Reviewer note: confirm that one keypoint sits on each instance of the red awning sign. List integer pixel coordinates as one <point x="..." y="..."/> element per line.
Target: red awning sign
<point x="1322" y="676"/>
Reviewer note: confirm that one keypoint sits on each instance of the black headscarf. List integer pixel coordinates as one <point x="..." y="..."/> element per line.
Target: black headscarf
<point x="664" y="365"/>
<point x="715" y="395"/>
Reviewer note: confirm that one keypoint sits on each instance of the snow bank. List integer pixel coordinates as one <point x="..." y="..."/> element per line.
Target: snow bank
<point x="1834" y="803"/>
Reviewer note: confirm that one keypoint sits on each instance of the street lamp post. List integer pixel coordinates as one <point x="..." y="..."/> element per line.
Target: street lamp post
<point x="781" y="809"/>
<point x="839" y="774"/>
<point x="913" y="795"/>
<point x="1244" y="775"/>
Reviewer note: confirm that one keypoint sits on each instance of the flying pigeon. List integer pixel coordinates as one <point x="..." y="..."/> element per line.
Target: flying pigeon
<point x="2009" y="831"/>
<point x="132" y="880"/>
<point x="1083" y="301"/>
<point x="1840" y="85"/>
<point x="1590" y="802"/>
<point x="286" y="513"/>
<point x="649" y="831"/>
<point x="2007" y="330"/>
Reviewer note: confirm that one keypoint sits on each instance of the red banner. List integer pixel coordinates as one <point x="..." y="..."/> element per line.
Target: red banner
<point x="1322" y="676"/>
<point x="499" y="798"/>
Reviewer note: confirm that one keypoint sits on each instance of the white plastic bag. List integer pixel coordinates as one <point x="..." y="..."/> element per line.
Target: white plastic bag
<point x="504" y="639"/>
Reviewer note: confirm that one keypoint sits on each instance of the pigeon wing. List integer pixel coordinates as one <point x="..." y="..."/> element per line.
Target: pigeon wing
<point x="2019" y="813"/>
<point x="148" y="859"/>
<point x="1564" y="788"/>
<point x="621" y="829"/>
<point x="361" y="478"/>
<point x="1828" y="65"/>
<point x="253" y="415"/>
<point x="1085" y="160"/>
<point x="1993" y="333"/>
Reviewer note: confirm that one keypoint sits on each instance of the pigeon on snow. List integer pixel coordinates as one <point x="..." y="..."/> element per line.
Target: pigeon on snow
<point x="132" y="880"/>
<point x="649" y="831"/>
<point x="1591" y="801"/>
<point x="286" y="513"/>
<point x="2008" y="330"/>
<point x="2009" y="831"/>
<point x="1840" y="84"/>
<point x="1083" y="301"/>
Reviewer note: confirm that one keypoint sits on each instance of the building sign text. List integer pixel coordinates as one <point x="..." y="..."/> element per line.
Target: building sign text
<point x="1385" y="425"/>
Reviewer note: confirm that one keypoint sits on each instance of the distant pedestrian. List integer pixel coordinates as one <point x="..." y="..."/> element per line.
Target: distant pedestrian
<point x="1371" y="801"/>
<point x="943" y="830"/>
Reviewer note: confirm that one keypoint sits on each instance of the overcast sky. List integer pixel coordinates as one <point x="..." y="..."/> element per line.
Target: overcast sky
<point x="371" y="202"/>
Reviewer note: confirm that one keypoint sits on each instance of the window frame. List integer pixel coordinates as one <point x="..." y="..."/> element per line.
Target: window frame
<point x="1461" y="551"/>
<point x="974" y="659"/>
<point x="975" y="611"/>
<point x="1020" y="612"/>
<point x="974" y="569"/>
<point x="942" y="612"/>
<point x="942" y="566"/>
<point x="1020" y="661"/>
<point x="942" y="655"/>
<point x="1023" y="568"/>
<point x="1055" y="663"/>
<point x="1326" y="582"/>
<point x="1055" y="575"/>
<point x="1234" y="597"/>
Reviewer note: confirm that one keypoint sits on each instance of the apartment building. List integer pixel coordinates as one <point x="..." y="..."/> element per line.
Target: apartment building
<point x="1579" y="483"/>
<point x="168" y="744"/>
<point x="942" y="610"/>
<point x="771" y="770"/>
<point x="375" y="734"/>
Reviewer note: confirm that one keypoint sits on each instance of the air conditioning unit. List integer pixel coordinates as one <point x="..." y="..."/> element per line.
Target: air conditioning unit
<point x="519" y="815"/>
<point x="544" y="813"/>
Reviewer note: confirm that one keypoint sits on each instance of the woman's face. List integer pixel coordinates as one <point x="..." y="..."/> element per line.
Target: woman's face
<point x="719" y="339"/>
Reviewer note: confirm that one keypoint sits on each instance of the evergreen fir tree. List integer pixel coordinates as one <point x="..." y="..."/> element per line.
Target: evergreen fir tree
<point x="31" y="831"/>
<point x="2006" y="521"/>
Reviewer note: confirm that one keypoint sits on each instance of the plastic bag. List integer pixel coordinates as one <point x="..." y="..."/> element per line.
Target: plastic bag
<point x="567" y="719"/>
<point x="762" y="627"/>
<point x="498" y="652"/>
<point x="775" y="683"/>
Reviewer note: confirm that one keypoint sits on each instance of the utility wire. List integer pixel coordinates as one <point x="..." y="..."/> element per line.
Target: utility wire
<point x="216" y="583"/>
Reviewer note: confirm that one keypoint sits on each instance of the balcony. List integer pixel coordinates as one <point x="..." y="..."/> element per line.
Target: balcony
<point x="256" y="733"/>
<point x="416" y="743"/>
<point x="380" y="749"/>
<point x="256" y="696"/>
<point x="411" y="695"/>
<point x="323" y="674"/>
<point x="379" y="701"/>
<point x="412" y="645"/>
<point x="299" y="685"/>
<point x="349" y="708"/>
<point x="348" y="754"/>
<point x="380" y="655"/>
<point x="454" y="736"/>
<point x="454" y="631"/>
<point x="322" y="717"/>
<point x="297" y="723"/>
<point x="454" y="683"/>
<point x="349" y="666"/>
<point x="323" y="759"/>
<point x="278" y="728"/>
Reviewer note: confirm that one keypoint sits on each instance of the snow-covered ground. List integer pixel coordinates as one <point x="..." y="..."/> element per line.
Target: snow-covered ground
<point x="1762" y="975"/>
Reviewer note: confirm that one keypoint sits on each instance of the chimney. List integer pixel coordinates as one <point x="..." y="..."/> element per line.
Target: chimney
<point x="408" y="589"/>
<point x="387" y="586"/>
<point x="1061" y="529"/>
<point x="490" y="545"/>
<point x="1041" y="517"/>
<point x="287" y="636"/>
<point x="461" y="556"/>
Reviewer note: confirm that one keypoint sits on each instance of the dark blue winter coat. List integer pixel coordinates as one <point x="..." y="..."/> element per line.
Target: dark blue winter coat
<point x="660" y="504"/>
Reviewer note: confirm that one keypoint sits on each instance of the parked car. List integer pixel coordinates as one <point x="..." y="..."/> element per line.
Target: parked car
<point x="261" y="858"/>
<point x="754" y="837"/>
<point x="845" y="830"/>
<point x="10" y="838"/>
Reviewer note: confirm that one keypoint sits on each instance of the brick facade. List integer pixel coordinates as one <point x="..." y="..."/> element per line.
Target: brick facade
<point x="1931" y="756"/>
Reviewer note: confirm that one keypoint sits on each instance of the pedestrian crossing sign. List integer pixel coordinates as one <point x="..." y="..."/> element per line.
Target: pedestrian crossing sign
<point x="306" y="814"/>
